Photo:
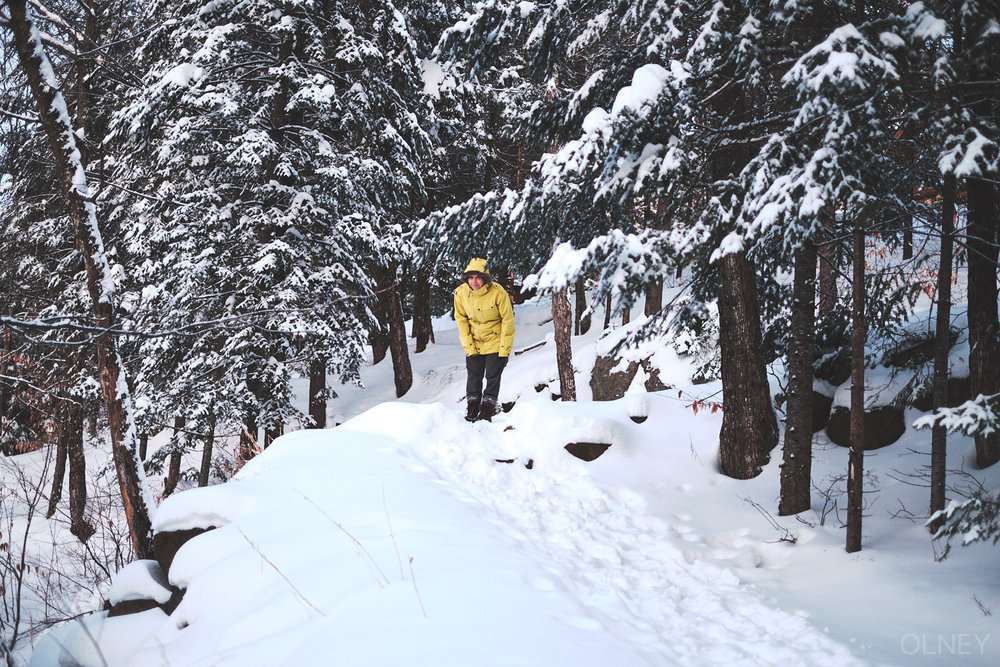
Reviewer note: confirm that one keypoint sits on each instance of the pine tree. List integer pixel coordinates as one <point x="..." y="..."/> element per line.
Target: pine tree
<point x="70" y="169"/>
<point x="622" y="84"/>
<point x="279" y="153"/>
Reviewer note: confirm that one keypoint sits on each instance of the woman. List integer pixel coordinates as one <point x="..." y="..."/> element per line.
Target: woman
<point x="485" y="320"/>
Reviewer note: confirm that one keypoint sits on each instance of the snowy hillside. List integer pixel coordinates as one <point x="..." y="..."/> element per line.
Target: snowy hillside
<point x="406" y="536"/>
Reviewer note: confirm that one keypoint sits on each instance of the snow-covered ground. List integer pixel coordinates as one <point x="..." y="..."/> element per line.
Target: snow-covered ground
<point x="397" y="538"/>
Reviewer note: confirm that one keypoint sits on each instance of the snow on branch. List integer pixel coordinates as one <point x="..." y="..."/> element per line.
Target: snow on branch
<point x="974" y="520"/>
<point x="47" y="39"/>
<point x="623" y="262"/>
<point x="980" y="416"/>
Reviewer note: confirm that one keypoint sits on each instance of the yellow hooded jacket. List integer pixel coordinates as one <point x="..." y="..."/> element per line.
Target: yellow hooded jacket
<point x="485" y="317"/>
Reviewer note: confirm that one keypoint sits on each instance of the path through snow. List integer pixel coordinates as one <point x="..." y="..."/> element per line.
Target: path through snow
<point x="598" y="544"/>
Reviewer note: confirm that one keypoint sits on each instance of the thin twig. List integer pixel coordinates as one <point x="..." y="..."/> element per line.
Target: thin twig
<point x="353" y="539"/>
<point x="268" y="561"/>
<point x="392" y="535"/>
<point x="413" y="578"/>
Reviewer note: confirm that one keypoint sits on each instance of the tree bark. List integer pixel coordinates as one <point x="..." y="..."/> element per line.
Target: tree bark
<point x="392" y="308"/>
<point x="581" y="322"/>
<point x="562" y="322"/>
<point x="626" y="315"/>
<point x="174" y="467"/>
<point x="78" y="524"/>
<point x="984" y="359"/>
<point x="59" y="472"/>
<point x="942" y="344"/>
<point x="135" y="494"/>
<point x="855" y="466"/>
<point x="206" y="454"/>
<point x="378" y="337"/>
<point x="422" y="309"/>
<point x="654" y="297"/>
<point x="749" y="427"/>
<point x="828" y="262"/>
<point x="797" y="452"/>
<point x="143" y="446"/>
<point x="607" y="312"/>
<point x="317" y="389"/>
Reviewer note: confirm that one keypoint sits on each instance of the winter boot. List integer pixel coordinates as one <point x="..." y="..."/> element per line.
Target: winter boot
<point x="472" y="413"/>
<point x="487" y="410"/>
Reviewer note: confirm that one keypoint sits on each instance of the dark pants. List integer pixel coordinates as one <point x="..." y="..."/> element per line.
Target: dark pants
<point x="490" y="366"/>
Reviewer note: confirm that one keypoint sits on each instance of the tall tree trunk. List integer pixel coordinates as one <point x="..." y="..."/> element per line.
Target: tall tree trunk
<point x="84" y="70"/>
<point x="5" y="393"/>
<point x="654" y="297"/>
<point x="174" y="467"/>
<point x="942" y="344"/>
<point x="607" y="312"/>
<point x="422" y="309"/>
<point x="249" y="438"/>
<point x="855" y="466"/>
<point x="392" y="307"/>
<point x="136" y="498"/>
<point x="749" y="427"/>
<point x="143" y="446"/>
<point x="78" y="524"/>
<point x="562" y="322"/>
<point x="797" y="453"/>
<point x="581" y="322"/>
<point x="984" y="359"/>
<point x="829" y="255"/>
<point x="317" y="390"/>
<point x="206" y="454"/>
<point x="59" y="473"/>
<point x="378" y="337"/>
<point x="626" y="315"/>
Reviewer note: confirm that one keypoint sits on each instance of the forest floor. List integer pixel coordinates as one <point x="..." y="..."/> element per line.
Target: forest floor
<point x="398" y="538"/>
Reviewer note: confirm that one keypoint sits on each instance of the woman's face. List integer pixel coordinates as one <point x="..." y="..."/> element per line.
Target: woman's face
<point x="475" y="281"/>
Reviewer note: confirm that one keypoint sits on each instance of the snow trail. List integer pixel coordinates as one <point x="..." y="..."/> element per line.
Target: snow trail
<point x="601" y="547"/>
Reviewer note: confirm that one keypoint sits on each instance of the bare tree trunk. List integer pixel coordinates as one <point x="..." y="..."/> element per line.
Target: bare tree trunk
<point x="942" y="344"/>
<point x="626" y="316"/>
<point x="607" y="312"/>
<point x="392" y="308"/>
<point x="828" y="262"/>
<point x="402" y="371"/>
<point x="984" y="358"/>
<point x="5" y="394"/>
<point x="378" y="337"/>
<point x="797" y="452"/>
<point x="317" y="389"/>
<point x="855" y="466"/>
<point x="749" y="428"/>
<point x="206" y="454"/>
<point x="654" y="297"/>
<point x="143" y="446"/>
<point x="581" y="321"/>
<point x="562" y="322"/>
<point x="59" y="473"/>
<point x="136" y="498"/>
<point x="174" y="467"/>
<point x="78" y="524"/>
<point x="422" y="309"/>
